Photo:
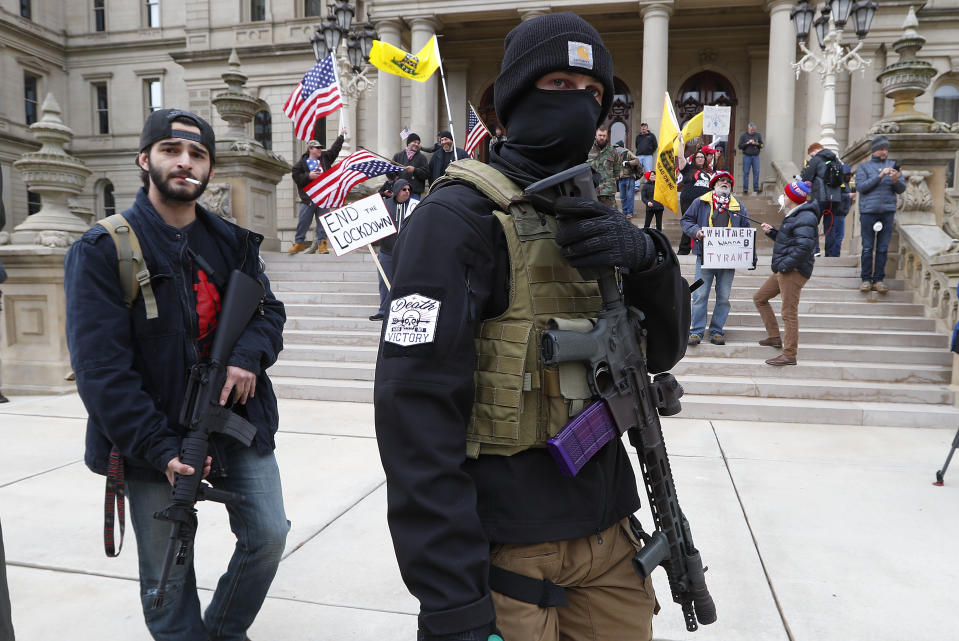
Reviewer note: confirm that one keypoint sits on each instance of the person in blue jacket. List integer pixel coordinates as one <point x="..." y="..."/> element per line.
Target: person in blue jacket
<point x="716" y="208"/>
<point x="878" y="182"/>
<point x="132" y="372"/>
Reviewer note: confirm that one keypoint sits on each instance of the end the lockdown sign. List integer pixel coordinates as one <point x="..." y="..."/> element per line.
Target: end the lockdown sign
<point x="357" y="224"/>
<point x="728" y="247"/>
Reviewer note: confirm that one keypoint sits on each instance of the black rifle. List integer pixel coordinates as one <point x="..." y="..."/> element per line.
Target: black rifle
<point x="612" y="352"/>
<point x="203" y="416"/>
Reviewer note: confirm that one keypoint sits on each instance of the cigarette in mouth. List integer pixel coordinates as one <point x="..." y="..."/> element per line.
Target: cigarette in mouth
<point x="193" y="180"/>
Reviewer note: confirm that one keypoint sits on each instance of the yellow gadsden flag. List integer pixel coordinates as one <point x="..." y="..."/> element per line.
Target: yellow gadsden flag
<point x="394" y="60"/>
<point x="666" y="191"/>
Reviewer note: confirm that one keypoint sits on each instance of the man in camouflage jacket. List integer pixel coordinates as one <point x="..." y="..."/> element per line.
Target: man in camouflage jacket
<point x="605" y="161"/>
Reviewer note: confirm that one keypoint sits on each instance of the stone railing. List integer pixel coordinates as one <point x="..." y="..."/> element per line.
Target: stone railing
<point x="929" y="263"/>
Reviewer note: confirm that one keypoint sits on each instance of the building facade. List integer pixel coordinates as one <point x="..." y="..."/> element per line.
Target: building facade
<point x="109" y="62"/>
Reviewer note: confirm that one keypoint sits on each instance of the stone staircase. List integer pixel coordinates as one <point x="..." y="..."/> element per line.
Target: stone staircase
<point x="863" y="359"/>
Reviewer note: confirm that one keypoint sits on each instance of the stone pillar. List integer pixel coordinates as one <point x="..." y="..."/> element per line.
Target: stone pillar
<point x="388" y="96"/>
<point x="55" y="175"/>
<point x="655" y="61"/>
<point x="815" y="101"/>
<point x="246" y="174"/>
<point x="423" y="95"/>
<point x="780" y="88"/>
<point x="456" y="76"/>
<point x="863" y="89"/>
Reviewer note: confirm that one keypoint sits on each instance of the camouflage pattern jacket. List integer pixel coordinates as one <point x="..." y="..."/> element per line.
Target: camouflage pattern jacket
<point x="605" y="161"/>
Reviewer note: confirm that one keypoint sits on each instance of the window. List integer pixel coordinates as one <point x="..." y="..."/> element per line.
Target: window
<point x="313" y="8"/>
<point x="106" y="203"/>
<point x="25" y="9"/>
<point x="152" y="95"/>
<point x="30" y="90"/>
<point x="945" y="104"/>
<point x="101" y="115"/>
<point x="257" y="10"/>
<point x="153" y="13"/>
<point x="263" y="129"/>
<point x="99" y="15"/>
<point x="33" y="202"/>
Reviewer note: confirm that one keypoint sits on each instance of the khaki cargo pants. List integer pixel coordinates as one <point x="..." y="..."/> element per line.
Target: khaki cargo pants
<point x="608" y="601"/>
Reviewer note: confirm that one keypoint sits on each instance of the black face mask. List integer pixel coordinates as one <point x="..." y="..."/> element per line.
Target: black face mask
<point x="549" y="131"/>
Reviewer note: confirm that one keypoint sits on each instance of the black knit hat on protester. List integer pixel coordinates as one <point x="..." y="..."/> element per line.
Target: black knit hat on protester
<point x="554" y="42"/>
<point x="412" y="138"/>
<point x="159" y="126"/>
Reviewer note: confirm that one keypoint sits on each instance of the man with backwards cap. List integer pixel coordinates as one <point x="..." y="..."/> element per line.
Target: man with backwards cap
<point x="132" y="366"/>
<point x="477" y="508"/>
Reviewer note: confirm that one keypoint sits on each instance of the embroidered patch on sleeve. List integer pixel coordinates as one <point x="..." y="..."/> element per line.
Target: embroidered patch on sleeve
<point x="412" y="320"/>
<point x="580" y="54"/>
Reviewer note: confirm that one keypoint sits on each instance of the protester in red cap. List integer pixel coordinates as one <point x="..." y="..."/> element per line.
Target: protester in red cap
<point x="792" y="264"/>
<point x="716" y="208"/>
<point x="653" y="206"/>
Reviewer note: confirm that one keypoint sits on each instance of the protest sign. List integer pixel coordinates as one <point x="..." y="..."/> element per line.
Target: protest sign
<point x="357" y="224"/>
<point x="728" y="247"/>
<point x="716" y="120"/>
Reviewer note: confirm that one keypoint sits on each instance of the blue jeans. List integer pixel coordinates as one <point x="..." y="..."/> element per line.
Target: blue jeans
<point x="724" y="284"/>
<point x="750" y="162"/>
<point x="869" y="237"/>
<point x="646" y="162"/>
<point x="260" y="525"/>
<point x="627" y="193"/>
<point x="309" y="213"/>
<point x="835" y="235"/>
<point x="386" y="262"/>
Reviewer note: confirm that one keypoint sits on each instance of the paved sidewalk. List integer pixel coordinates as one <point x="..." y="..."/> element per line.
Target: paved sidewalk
<point x="811" y="533"/>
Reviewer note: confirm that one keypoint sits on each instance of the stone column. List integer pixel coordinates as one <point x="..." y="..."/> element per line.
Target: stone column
<point x="780" y="87"/>
<point x="863" y="90"/>
<point x="655" y="61"/>
<point x="388" y="95"/>
<point x="423" y="95"/>
<point x="456" y="76"/>
<point x="246" y="174"/>
<point x="815" y="102"/>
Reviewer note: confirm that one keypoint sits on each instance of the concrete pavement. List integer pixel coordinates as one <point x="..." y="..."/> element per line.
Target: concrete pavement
<point x="810" y="532"/>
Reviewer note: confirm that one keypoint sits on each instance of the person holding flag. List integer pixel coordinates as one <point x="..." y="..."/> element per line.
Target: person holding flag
<point x="308" y="168"/>
<point x="316" y="96"/>
<point x="476" y="504"/>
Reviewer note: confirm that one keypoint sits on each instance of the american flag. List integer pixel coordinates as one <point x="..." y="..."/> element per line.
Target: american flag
<point x="332" y="186"/>
<point x="316" y="96"/>
<point x="475" y="131"/>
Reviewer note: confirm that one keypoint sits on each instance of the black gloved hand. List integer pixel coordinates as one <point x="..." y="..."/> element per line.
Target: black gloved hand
<point x="592" y="234"/>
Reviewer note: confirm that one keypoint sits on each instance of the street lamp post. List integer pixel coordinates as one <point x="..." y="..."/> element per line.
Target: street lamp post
<point x="351" y="58"/>
<point x="833" y="57"/>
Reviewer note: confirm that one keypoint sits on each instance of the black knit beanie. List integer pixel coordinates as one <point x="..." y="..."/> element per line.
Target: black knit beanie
<point x="554" y="42"/>
<point x="412" y="138"/>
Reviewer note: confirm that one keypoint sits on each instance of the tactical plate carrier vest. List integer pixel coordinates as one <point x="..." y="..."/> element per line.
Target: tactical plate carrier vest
<point x="519" y="402"/>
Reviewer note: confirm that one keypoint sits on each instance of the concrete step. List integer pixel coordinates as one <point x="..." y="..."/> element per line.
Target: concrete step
<point x="840" y="322"/>
<point x="817" y="389"/>
<point x="331" y="309"/>
<point x="754" y="279"/>
<point x="838" y="372"/>
<point x="365" y="337"/>
<point x="355" y="274"/>
<point x="364" y="287"/>
<point x="751" y="334"/>
<point x="793" y="410"/>
<point x="330" y="298"/>
<point x="812" y="292"/>
<point x="323" y="389"/>
<point x="321" y="322"/>
<point x="335" y="353"/>
<point x="881" y="308"/>
<point x="903" y="356"/>
<point x="332" y="370"/>
<point x="312" y="261"/>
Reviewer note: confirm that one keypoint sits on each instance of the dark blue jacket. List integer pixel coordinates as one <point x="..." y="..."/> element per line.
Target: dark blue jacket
<point x="697" y="215"/>
<point x="132" y="372"/>
<point x="877" y="195"/>
<point x="796" y="240"/>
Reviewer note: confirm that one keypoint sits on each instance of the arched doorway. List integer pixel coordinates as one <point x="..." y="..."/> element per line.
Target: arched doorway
<point x="709" y="88"/>
<point x="620" y="118"/>
<point x="486" y="110"/>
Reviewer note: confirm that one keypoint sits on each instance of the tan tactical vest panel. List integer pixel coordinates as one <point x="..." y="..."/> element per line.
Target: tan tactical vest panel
<point x="519" y="402"/>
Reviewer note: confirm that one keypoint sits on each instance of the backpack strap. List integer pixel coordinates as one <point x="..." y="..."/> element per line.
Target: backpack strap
<point x="134" y="275"/>
<point x="489" y="182"/>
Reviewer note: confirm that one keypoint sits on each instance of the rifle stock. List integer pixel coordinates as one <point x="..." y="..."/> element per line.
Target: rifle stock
<point x="203" y="416"/>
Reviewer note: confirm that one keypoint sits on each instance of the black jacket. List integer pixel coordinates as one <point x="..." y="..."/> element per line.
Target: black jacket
<point x="386" y="244"/>
<point x="421" y="170"/>
<point x="815" y="173"/>
<point x="647" y="193"/>
<point x="444" y="510"/>
<point x="796" y="240"/>
<point x="132" y="372"/>
<point x="442" y="159"/>
<point x="747" y="149"/>
<point x="301" y="172"/>
<point x="646" y="145"/>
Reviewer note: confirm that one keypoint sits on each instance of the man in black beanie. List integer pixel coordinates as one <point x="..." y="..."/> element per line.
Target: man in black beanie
<point x="464" y="403"/>
<point x="443" y="154"/>
<point x="417" y="166"/>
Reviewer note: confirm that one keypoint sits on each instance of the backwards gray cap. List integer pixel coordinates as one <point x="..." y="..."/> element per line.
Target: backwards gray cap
<point x="160" y="125"/>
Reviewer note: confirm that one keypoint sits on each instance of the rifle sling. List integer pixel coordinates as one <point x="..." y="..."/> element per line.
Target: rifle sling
<point x="541" y="592"/>
<point x="114" y="499"/>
